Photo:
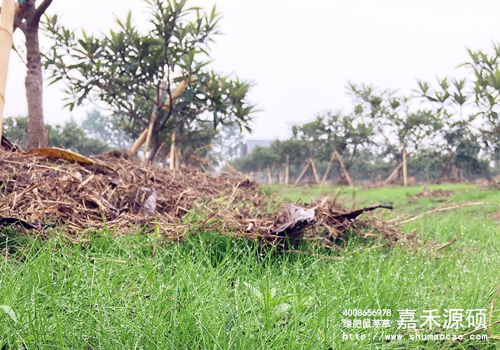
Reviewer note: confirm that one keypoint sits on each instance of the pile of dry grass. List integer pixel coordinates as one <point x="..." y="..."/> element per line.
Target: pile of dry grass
<point x="123" y="197"/>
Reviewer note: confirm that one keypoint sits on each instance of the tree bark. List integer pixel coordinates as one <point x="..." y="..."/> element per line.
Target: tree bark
<point x="37" y="136"/>
<point x="157" y="146"/>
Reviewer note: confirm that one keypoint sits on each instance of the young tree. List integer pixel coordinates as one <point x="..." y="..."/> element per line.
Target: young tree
<point x="28" y="16"/>
<point x="332" y="131"/>
<point x="394" y="121"/>
<point x="458" y="146"/>
<point x="486" y="69"/>
<point x="135" y="74"/>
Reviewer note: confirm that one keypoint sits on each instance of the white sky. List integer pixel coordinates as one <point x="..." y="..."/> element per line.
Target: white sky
<point x="301" y="54"/>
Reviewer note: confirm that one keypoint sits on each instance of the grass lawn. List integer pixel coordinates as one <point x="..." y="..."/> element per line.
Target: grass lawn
<point x="216" y="292"/>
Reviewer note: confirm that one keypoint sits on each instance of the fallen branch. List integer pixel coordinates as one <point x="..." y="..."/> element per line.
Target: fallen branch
<point x="447" y="244"/>
<point x="445" y="209"/>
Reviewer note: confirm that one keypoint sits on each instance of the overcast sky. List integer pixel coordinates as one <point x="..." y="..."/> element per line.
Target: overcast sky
<point x="301" y="54"/>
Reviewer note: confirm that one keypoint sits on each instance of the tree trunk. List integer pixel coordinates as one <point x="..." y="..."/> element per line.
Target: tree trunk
<point x="37" y="136"/>
<point x="155" y="149"/>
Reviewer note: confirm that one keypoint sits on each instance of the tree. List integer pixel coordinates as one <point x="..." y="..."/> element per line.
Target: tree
<point x="28" y="16"/>
<point x="335" y="131"/>
<point x="69" y="136"/>
<point x="134" y="74"/>
<point x="395" y="122"/>
<point x="486" y="69"/>
<point x="109" y="129"/>
<point x="457" y="145"/>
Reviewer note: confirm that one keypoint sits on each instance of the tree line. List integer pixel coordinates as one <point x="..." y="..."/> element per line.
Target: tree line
<point x="449" y="130"/>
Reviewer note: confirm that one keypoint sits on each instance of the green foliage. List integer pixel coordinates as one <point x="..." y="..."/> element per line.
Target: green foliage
<point x="135" y="73"/>
<point x="16" y="130"/>
<point x="109" y="129"/>
<point x="394" y="120"/>
<point x="486" y="69"/>
<point x="68" y="136"/>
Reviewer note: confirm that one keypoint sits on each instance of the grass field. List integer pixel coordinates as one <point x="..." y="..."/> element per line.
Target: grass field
<point x="216" y="292"/>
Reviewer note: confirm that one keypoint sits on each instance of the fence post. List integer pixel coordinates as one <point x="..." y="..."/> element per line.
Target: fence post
<point x="287" y="169"/>
<point x="315" y="173"/>
<point x="405" y="170"/>
<point x="303" y="172"/>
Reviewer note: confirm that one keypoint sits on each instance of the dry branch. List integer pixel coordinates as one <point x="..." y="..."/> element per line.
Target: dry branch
<point x="405" y="221"/>
<point x="393" y="174"/>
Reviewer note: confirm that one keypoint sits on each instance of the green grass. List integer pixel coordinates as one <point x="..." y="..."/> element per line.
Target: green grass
<point x="217" y="292"/>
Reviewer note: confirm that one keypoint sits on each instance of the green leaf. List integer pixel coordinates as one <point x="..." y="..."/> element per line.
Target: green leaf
<point x="8" y="310"/>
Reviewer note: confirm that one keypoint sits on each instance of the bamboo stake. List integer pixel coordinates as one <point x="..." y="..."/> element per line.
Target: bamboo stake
<point x="269" y="177"/>
<point x="313" y="166"/>
<point x="303" y="172"/>
<point x="346" y="174"/>
<point x="232" y="168"/>
<point x="166" y="107"/>
<point x="6" y="29"/>
<point x="393" y="174"/>
<point x="405" y="170"/>
<point x="172" y="152"/>
<point x="178" y="158"/>
<point x="287" y="169"/>
<point x="327" y="171"/>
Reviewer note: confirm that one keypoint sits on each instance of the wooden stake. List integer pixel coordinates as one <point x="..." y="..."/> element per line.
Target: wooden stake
<point x="346" y="174"/>
<point x="303" y="172"/>
<point x="327" y="171"/>
<point x="405" y="171"/>
<point x="393" y="174"/>
<point x="269" y="177"/>
<point x="166" y="107"/>
<point x="232" y="168"/>
<point x="6" y="29"/>
<point x="287" y="169"/>
<point x="313" y="166"/>
<point x="178" y="158"/>
<point x="280" y="178"/>
<point x="172" y="152"/>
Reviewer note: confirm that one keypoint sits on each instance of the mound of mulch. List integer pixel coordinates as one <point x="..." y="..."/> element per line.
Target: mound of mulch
<point x="38" y="192"/>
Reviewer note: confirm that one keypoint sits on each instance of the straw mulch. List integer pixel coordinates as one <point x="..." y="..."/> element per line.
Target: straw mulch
<point x="45" y="192"/>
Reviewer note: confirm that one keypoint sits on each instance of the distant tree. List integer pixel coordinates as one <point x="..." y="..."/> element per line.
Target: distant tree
<point x="16" y="130"/>
<point x="68" y="136"/>
<point x="486" y="69"/>
<point x="109" y="129"/>
<point x="457" y="144"/>
<point x="335" y="131"/>
<point x="229" y="142"/>
<point x="135" y="74"/>
<point x="396" y="124"/>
